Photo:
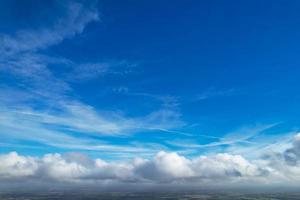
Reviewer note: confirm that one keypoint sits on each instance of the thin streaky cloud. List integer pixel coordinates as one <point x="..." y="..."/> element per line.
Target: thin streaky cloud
<point x="77" y="16"/>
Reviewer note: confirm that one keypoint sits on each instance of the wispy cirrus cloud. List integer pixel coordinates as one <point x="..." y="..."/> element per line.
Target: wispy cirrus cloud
<point x="213" y="93"/>
<point x="89" y="71"/>
<point x="76" y="116"/>
<point x="75" y="19"/>
<point x="248" y="140"/>
<point x="78" y="128"/>
<point x="46" y="110"/>
<point x="244" y="134"/>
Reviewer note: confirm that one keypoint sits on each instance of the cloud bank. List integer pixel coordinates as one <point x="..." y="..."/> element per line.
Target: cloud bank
<point x="164" y="168"/>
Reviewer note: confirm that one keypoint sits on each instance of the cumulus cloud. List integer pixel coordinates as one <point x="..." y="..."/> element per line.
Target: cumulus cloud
<point x="16" y="166"/>
<point x="285" y="166"/>
<point x="292" y="155"/>
<point x="164" y="167"/>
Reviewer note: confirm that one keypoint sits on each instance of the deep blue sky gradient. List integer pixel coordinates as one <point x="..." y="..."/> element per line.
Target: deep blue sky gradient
<point x="225" y="65"/>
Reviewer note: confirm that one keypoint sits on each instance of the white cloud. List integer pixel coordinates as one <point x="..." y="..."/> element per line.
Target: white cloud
<point x="162" y="168"/>
<point x="77" y="16"/>
<point x="223" y="166"/>
<point x="165" y="167"/>
<point x="82" y="118"/>
<point x="292" y="155"/>
<point x="89" y="71"/>
<point x="241" y="136"/>
<point x="16" y="166"/>
<point x="39" y="104"/>
<point x="212" y="93"/>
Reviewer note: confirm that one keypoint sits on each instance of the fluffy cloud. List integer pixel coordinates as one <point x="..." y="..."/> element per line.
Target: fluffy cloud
<point x="223" y="166"/>
<point x="285" y="166"/>
<point x="292" y="155"/>
<point x="16" y="166"/>
<point x="164" y="167"/>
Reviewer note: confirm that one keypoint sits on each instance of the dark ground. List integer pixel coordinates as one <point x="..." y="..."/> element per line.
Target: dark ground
<point x="147" y="196"/>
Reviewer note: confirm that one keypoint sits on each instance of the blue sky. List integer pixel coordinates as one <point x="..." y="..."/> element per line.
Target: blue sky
<point x="125" y="79"/>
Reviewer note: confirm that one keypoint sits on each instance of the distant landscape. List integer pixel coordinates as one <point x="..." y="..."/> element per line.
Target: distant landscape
<point x="151" y="196"/>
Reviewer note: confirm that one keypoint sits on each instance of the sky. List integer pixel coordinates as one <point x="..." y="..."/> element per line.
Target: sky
<point x="200" y="94"/>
